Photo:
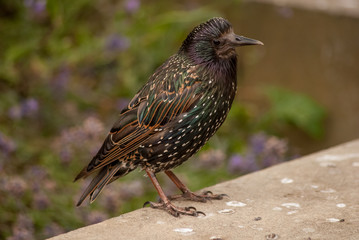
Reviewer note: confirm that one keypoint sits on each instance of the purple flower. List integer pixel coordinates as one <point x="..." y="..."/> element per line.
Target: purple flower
<point x="36" y="172"/>
<point x="7" y="145"/>
<point x="29" y="107"/>
<point x="275" y="151"/>
<point x="40" y="201"/>
<point x="77" y="141"/>
<point x="263" y="151"/>
<point x="37" y="175"/>
<point x="21" y="234"/>
<point x="60" y="81"/>
<point x="53" y="229"/>
<point x="117" y="43"/>
<point x="131" y="6"/>
<point x="23" y="228"/>
<point x="15" y="186"/>
<point x="257" y="143"/>
<point x="37" y="7"/>
<point x="65" y="155"/>
<point x="15" y="112"/>
<point x="92" y="127"/>
<point x="269" y="160"/>
<point x="238" y="163"/>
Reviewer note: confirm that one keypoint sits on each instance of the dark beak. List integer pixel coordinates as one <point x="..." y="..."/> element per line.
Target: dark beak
<point x="237" y="40"/>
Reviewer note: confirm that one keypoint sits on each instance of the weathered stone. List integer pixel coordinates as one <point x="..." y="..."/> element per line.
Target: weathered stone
<point x="313" y="197"/>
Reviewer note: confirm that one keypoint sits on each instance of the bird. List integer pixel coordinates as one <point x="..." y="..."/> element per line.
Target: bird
<point x="173" y="115"/>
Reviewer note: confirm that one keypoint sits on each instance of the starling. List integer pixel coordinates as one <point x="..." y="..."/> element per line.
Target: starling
<point x="173" y="115"/>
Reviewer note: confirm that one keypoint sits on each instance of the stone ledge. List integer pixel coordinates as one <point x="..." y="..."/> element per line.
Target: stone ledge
<point x="313" y="197"/>
<point x="347" y="7"/>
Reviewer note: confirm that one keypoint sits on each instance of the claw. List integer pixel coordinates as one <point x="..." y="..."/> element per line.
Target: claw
<point x="210" y="195"/>
<point x="204" y="197"/>
<point x="195" y="214"/>
<point x="174" y="210"/>
<point x="200" y="212"/>
<point x="189" y="208"/>
<point x="175" y="214"/>
<point x="207" y="193"/>
<point x="220" y="196"/>
<point x="146" y="203"/>
<point x="223" y="195"/>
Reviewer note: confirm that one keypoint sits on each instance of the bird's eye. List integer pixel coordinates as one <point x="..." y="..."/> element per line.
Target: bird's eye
<point x="216" y="42"/>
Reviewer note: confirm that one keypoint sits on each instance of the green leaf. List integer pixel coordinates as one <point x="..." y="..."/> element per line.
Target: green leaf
<point x="297" y="109"/>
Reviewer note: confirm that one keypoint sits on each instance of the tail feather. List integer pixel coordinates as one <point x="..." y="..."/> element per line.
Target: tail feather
<point x="103" y="183"/>
<point x="82" y="174"/>
<point x="93" y="185"/>
<point x="104" y="177"/>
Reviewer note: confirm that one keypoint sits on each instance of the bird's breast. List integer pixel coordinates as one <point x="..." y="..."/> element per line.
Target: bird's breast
<point x="188" y="132"/>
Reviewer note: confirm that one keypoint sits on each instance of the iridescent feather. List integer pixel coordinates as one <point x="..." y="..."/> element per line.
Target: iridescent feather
<point x="174" y="114"/>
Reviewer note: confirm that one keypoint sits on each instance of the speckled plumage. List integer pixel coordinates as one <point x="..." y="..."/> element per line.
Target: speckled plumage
<point x="175" y="113"/>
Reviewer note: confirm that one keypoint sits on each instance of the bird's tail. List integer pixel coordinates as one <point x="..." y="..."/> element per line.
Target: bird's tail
<point x="99" y="182"/>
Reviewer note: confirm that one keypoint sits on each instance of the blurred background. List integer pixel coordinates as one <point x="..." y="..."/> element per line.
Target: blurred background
<point x="67" y="68"/>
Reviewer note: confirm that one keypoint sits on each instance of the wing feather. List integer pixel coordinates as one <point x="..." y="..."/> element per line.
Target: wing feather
<point x="157" y="103"/>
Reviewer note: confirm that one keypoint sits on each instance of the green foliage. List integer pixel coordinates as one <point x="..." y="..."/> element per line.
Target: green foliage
<point x="63" y="62"/>
<point x="288" y="107"/>
<point x="66" y="70"/>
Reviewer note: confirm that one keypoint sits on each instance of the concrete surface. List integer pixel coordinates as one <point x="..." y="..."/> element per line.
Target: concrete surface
<point x="313" y="197"/>
<point x="342" y="7"/>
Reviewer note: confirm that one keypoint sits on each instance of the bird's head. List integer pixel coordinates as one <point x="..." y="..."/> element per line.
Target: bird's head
<point x="214" y="40"/>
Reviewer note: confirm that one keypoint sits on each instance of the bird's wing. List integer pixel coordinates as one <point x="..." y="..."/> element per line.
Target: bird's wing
<point x="163" y="98"/>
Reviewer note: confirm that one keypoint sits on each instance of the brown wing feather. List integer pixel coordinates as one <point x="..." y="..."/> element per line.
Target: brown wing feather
<point x="128" y="134"/>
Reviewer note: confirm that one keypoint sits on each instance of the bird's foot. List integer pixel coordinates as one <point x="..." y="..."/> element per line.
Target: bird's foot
<point x="204" y="197"/>
<point x="173" y="210"/>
